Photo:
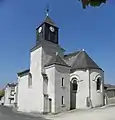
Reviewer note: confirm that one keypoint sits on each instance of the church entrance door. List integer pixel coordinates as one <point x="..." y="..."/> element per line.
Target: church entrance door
<point x="73" y="91"/>
<point x="73" y="101"/>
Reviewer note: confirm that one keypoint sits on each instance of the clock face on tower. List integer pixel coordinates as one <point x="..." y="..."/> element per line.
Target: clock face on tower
<point x="52" y="29"/>
<point x="40" y="29"/>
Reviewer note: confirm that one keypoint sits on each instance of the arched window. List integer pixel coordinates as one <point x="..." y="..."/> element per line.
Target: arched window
<point x="99" y="83"/>
<point x="75" y="85"/>
<point x="29" y="80"/>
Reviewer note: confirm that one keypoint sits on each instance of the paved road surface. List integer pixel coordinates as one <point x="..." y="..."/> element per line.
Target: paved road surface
<point x="7" y="114"/>
<point x="105" y="113"/>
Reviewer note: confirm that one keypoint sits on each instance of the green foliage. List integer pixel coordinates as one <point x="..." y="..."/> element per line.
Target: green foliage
<point x="93" y="3"/>
<point x="1" y="93"/>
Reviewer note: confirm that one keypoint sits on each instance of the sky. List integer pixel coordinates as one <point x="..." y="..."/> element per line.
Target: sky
<point x="92" y="29"/>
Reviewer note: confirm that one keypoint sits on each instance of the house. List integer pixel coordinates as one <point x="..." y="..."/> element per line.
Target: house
<point x="109" y="93"/>
<point x="2" y="101"/>
<point x="55" y="81"/>
<point x="10" y="96"/>
<point x="1" y="97"/>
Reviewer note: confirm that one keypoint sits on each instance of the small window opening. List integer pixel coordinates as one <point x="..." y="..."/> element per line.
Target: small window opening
<point x="98" y="84"/>
<point x="62" y="102"/>
<point x="75" y="85"/>
<point x="30" y="80"/>
<point x="62" y="82"/>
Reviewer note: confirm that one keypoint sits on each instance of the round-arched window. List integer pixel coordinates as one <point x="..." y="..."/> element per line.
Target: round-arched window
<point x="74" y="84"/>
<point x="98" y="83"/>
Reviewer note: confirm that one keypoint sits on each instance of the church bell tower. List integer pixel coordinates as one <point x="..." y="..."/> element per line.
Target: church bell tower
<point x="47" y="31"/>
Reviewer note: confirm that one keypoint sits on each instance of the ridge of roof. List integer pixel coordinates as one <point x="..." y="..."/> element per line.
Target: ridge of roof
<point x="57" y="60"/>
<point x="71" y="54"/>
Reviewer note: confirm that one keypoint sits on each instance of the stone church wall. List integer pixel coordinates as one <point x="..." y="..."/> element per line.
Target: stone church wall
<point x="97" y="96"/>
<point x="83" y="87"/>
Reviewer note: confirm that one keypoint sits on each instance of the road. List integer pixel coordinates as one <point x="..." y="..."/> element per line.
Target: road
<point x="104" y="113"/>
<point x="7" y="114"/>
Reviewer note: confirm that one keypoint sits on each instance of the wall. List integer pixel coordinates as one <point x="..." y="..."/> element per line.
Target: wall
<point x="97" y="95"/>
<point x="2" y="100"/>
<point x="7" y="101"/>
<point x="83" y="87"/>
<point x="111" y="100"/>
<point x="62" y="72"/>
<point x="6" y="96"/>
<point x="36" y="70"/>
<point x="110" y="96"/>
<point x="38" y="59"/>
<point x="50" y="71"/>
<point x="30" y="99"/>
<point x="25" y="101"/>
<point x="87" y="87"/>
<point x="16" y="95"/>
<point x="111" y="93"/>
<point x="55" y="90"/>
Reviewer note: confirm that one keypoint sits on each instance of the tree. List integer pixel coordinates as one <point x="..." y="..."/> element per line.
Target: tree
<point x="93" y="3"/>
<point x="1" y="93"/>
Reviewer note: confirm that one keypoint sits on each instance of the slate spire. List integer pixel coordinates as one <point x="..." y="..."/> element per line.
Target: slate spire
<point x="48" y="20"/>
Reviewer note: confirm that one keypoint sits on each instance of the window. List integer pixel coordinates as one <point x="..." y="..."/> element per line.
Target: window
<point x="62" y="100"/>
<point x="62" y="84"/>
<point x="98" y="83"/>
<point x="29" y="80"/>
<point x="12" y="92"/>
<point x="75" y="85"/>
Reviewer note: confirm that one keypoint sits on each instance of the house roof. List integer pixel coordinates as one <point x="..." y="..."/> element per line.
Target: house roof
<point x="109" y="86"/>
<point x="24" y="72"/>
<point x="67" y="56"/>
<point x="57" y="60"/>
<point x="11" y="84"/>
<point x="84" y="61"/>
<point x="44" y="43"/>
<point x="81" y="60"/>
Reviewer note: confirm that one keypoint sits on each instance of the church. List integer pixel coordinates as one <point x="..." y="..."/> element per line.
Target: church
<point x="58" y="82"/>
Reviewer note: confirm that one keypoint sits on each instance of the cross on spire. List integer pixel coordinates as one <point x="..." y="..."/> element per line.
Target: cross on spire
<point x="47" y="10"/>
